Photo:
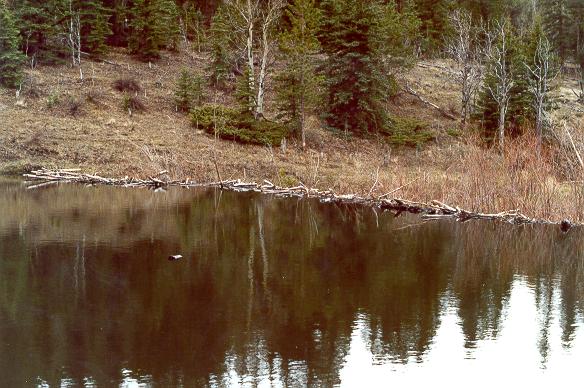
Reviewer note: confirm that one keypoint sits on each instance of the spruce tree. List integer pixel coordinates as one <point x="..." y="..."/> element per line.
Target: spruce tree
<point x="556" y="19"/>
<point x="41" y="24"/>
<point x="504" y="92"/>
<point x="154" y="26"/>
<point x="363" y="41"/>
<point x="298" y="83"/>
<point x="188" y="92"/>
<point x="221" y="61"/>
<point x="433" y="15"/>
<point x="11" y="58"/>
<point x="95" y="26"/>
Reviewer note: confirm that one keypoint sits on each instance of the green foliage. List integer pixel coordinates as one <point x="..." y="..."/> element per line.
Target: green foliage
<point x="10" y="57"/>
<point x="193" y="23"/>
<point x="519" y="111"/>
<point x="221" y="57"/>
<point x="364" y="41"/>
<point x="189" y="91"/>
<point x="41" y="24"/>
<point x="406" y="131"/>
<point x="231" y="124"/>
<point x="95" y="26"/>
<point x="298" y="84"/>
<point x="244" y="93"/>
<point x="557" y="22"/>
<point x="153" y="27"/>
<point x="53" y="100"/>
<point x="434" y="27"/>
<point x="132" y="103"/>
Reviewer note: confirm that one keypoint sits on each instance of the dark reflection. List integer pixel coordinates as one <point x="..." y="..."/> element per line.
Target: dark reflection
<point x="267" y="289"/>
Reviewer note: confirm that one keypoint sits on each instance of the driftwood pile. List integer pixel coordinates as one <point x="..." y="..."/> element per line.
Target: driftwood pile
<point x="434" y="210"/>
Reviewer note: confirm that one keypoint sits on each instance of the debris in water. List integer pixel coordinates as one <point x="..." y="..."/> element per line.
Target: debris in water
<point x="174" y="257"/>
<point x="565" y="226"/>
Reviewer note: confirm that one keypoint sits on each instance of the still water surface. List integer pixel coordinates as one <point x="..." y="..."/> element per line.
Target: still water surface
<point x="277" y="292"/>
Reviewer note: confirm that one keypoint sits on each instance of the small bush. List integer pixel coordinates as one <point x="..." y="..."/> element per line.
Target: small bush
<point x="133" y="104"/>
<point x="231" y="124"/>
<point x="53" y="100"/>
<point x="127" y="85"/>
<point x="93" y="96"/>
<point x="74" y="107"/>
<point x="408" y="132"/>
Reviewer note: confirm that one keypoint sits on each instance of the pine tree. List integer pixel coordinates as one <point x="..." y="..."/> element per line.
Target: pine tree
<point x="298" y="84"/>
<point x="154" y="26"/>
<point x="363" y="40"/>
<point x="11" y="58"/>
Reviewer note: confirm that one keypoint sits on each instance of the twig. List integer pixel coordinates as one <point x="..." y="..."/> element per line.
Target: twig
<point x="399" y="188"/>
<point x="376" y="180"/>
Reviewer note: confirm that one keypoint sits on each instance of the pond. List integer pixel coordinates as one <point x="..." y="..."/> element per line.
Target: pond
<point x="276" y="292"/>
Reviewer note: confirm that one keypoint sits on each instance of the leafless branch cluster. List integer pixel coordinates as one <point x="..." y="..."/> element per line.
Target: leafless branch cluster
<point x="463" y="47"/>
<point x="496" y="53"/>
<point x="246" y="18"/>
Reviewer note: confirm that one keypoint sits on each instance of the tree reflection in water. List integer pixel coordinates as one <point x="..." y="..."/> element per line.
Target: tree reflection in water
<point x="278" y="290"/>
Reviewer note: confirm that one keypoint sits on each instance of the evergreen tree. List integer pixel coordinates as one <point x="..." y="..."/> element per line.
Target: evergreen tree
<point x="11" y="58"/>
<point x="95" y="26"/>
<point x="221" y="60"/>
<point x="189" y="91"/>
<point x="556" y="19"/>
<point x="298" y="84"/>
<point x="503" y="103"/>
<point x="433" y="15"/>
<point x="363" y="40"/>
<point x="41" y="24"/>
<point x="119" y="15"/>
<point x="154" y="26"/>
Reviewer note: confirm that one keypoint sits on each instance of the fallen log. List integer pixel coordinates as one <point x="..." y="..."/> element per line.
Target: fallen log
<point x="431" y="104"/>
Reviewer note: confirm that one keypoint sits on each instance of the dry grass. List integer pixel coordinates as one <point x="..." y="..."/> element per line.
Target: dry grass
<point x="97" y="135"/>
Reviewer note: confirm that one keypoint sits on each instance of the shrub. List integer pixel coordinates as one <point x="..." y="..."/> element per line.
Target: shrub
<point x="75" y="107"/>
<point x="133" y="104"/>
<point x="127" y="85"/>
<point x="232" y="124"/>
<point x="53" y="100"/>
<point x="408" y="131"/>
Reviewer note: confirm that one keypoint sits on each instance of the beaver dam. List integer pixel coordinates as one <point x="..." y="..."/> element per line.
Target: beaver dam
<point x="434" y="210"/>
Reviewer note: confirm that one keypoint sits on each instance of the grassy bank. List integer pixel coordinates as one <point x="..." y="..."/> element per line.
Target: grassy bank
<point x="61" y="122"/>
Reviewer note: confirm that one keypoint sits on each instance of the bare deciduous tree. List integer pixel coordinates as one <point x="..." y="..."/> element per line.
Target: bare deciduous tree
<point x="463" y="48"/>
<point x="246" y="17"/>
<point x="541" y="72"/>
<point x="496" y="51"/>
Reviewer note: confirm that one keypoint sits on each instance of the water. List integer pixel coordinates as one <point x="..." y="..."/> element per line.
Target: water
<point x="276" y="292"/>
